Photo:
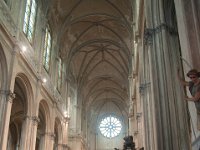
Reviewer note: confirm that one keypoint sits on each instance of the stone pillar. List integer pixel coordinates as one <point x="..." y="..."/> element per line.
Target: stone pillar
<point x="138" y="130"/>
<point x="64" y="141"/>
<point x="35" y="121"/>
<point x="170" y="119"/>
<point x="59" y="147"/>
<point x="3" y="98"/>
<point x="65" y="127"/>
<point x="146" y="100"/>
<point x="131" y="123"/>
<point x="49" y="140"/>
<point x="9" y="96"/>
<point x="26" y="135"/>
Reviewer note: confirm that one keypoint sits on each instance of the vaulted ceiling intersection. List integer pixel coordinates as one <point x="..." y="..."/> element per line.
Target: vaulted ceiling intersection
<point x="95" y="39"/>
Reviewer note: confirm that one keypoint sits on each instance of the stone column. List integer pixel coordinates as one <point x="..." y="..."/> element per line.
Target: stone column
<point x="170" y="119"/>
<point x="35" y="121"/>
<point x="131" y="123"/>
<point x="65" y="127"/>
<point x="146" y="93"/>
<point x="3" y="98"/>
<point x="49" y="140"/>
<point x="138" y="130"/>
<point x="9" y="96"/>
<point x="26" y="135"/>
<point x="59" y="147"/>
<point x="64" y="144"/>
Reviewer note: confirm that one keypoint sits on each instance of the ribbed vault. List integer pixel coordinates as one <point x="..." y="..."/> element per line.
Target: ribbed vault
<point x="94" y="39"/>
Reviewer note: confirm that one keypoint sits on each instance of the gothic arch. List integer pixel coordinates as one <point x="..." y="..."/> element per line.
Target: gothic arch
<point x="43" y="127"/>
<point x="23" y="80"/>
<point x="44" y="109"/>
<point x="21" y="109"/>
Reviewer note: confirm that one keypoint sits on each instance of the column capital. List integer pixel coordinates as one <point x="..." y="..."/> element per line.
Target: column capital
<point x="130" y="115"/>
<point x="35" y="120"/>
<point x="10" y="95"/>
<point x="149" y="32"/>
<point x="25" y="117"/>
<point x="66" y="119"/>
<point x="130" y="77"/>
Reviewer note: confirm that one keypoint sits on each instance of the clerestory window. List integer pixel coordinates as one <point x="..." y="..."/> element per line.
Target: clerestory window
<point x="29" y="19"/>
<point x="47" y="49"/>
<point x="59" y="81"/>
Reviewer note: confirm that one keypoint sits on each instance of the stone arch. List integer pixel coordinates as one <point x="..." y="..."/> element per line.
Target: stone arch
<point x="44" y="107"/>
<point x="57" y="133"/>
<point x="43" y="125"/>
<point x="22" y="79"/>
<point x="21" y="109"/>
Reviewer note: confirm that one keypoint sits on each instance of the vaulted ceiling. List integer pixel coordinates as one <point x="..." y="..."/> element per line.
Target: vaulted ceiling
<point x="94" y="38"/>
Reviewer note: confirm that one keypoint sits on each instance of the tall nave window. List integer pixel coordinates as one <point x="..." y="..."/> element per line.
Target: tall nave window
<point x="47" y="50"/>
<point x="59" y="81"/>
<point x="29" y="19"/>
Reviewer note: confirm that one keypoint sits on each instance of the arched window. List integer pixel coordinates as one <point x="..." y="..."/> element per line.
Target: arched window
<point x="110" y="126"/>
<point x="59" y="81"/>
<point x="47" y="50"/>
<point x="29" y="19"/>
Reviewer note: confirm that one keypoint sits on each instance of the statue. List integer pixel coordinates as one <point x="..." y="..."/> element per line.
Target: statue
<point x="129" y="143"/>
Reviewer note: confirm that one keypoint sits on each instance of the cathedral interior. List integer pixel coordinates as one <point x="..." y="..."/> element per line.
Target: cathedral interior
<point x="85" y="74"/>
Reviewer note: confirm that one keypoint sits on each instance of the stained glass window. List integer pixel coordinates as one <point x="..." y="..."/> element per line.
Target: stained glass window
<point x="110" y="126"/>
<point x="47" y="50"/>
<point x="29" y="19"/>
<point x="59" y="81"/>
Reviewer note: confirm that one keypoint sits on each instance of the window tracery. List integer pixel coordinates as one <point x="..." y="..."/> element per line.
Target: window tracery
<point x="29" y="19"/>
<point x="47" y="50"/>
<point x="110" y="126"/>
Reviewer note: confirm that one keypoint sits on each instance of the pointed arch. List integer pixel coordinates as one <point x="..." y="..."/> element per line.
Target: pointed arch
<point x="45" y="113"/>
<point x="25" y="84"/>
